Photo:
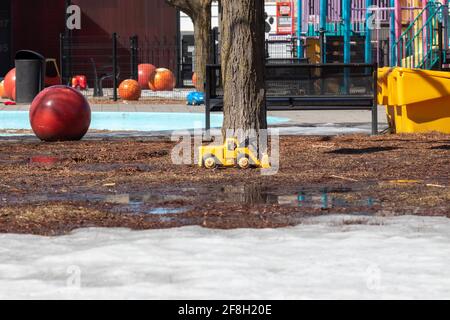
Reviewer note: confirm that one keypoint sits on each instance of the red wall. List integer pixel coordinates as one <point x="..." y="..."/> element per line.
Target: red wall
<point x="5" y="37"/>
<point x="145" y="18"/>
<point x="153" y="21"/>
<point x="36" y="24"/>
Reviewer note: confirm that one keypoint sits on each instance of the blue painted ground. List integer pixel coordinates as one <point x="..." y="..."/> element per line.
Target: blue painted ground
<point x="130" y="121"/>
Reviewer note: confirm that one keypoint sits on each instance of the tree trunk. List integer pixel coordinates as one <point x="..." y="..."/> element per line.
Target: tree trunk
<point x="243" y="66"/>
<point x="202" y="29"/>
<point x="200" y="13"/>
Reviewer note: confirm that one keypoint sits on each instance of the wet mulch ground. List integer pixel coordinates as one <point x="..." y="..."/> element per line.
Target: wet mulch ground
<point x="51" y="189"/>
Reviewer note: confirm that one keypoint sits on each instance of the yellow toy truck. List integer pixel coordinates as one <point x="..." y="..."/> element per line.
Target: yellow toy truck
<point x="230" y="155"/>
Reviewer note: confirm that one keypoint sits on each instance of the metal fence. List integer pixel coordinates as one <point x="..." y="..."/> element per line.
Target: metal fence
<point x="98" y="59"/>
<point x="281" y="47"/>
<point x="308" y="87"/>
<point x="278" y="48"/>
<point x="309" y="80"/>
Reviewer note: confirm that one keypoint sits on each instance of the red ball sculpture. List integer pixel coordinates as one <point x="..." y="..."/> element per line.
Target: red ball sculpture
<point x="10" y="84"/>
<point x="194" y="79"/>
<point x="145" y="70"/>
<point x="130" y="90"/>
<point x="2" y="89"/>
<point x="60" y="113"/>
<point x="79" y="82"/>
<point x="162" y="79"/>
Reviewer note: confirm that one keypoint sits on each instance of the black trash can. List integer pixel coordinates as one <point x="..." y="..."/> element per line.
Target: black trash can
<point x="30" y="75"/>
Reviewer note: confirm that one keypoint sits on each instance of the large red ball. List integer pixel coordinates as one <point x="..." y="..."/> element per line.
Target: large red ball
<point x="129" y="90"/>
<point x="145" y="70"/>
<point x="194" y="79"/>
<point x="162" y="79"/>
<point x="10" y="84"/>
<point x="2" y="89"/>
<point x="60" y="113"/>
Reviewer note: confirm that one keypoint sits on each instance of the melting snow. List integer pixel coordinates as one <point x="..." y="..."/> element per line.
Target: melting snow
<point x="327" y="257"/>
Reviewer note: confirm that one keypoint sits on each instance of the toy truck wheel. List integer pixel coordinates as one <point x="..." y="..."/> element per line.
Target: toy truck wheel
<point x="243" y="162"/>
<point x="209" y="161"/>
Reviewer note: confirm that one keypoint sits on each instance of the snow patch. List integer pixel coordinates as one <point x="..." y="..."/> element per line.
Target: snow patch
<point x="342" y="257"/>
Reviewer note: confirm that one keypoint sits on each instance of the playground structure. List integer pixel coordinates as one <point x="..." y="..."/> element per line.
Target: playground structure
<point x="406" y="33"/>
<point x="416" y="35"/>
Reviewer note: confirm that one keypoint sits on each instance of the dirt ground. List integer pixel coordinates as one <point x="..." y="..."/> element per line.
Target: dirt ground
<point x="51" y="189"/>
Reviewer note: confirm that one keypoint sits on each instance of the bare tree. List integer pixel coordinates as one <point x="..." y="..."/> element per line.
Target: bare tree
<point x="200" y="13"/>
<point x="243" y="65"/>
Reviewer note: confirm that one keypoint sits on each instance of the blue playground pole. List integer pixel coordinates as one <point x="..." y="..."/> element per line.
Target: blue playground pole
<point x="392" y="35"/>
<point x="446" y="33"/>
<point x="323" y="27"/>
<point x="323" y="14"/>
<point x="368" y="47"/>
<point x="299" y="29"/>
<point x="346" y="16"/>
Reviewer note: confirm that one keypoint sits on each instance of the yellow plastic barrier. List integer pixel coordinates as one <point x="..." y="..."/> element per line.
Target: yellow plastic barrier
<point x="383" y="74"/>
<point x="419" y="100"/>
<point x="383" y="94"/>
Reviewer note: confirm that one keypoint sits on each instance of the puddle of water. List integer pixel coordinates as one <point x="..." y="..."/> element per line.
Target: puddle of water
<point x="166" y="211"/>
<point x="180" y="200"/>
<point x="321" y="198"/>
<point x="324" y="201"/>
<point x="137" y="200"/>
<point x="143" y="204"/>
